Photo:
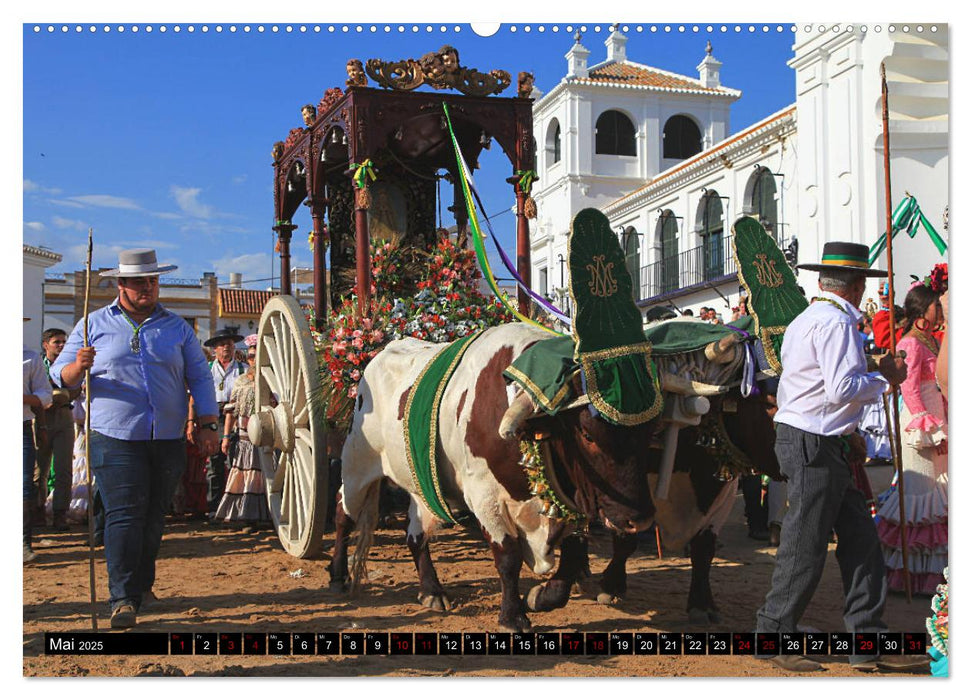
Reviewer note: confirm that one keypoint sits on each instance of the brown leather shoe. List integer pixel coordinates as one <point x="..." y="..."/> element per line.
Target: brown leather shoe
<point x="796" y="663"/>
<point x="913" y="663"/>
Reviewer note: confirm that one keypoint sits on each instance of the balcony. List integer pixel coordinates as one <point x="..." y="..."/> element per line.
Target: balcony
<point x="689" y="271"/>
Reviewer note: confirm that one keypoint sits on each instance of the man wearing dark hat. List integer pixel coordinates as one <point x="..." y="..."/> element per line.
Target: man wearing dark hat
<point x="822" y="392"/>
<point x="225" y="370"/>
<point x="141" y="358"/>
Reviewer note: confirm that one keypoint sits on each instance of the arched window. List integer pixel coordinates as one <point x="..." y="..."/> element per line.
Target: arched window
<point x="615" y="134"/>
<point x="711" y="228"/>
<point x="668" y="258"/>
<point x="632" y="257"/>
<point x="682" y="137"/>
<point x="553" y="142"/>
<point x="762" y="202"/>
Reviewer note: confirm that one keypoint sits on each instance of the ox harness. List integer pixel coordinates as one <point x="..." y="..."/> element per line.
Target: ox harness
<point x="420" y="424"/>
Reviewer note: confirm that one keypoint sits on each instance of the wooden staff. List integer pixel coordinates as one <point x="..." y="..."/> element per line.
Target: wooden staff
<point x="895" y="427"/>
<point x="87" y="440"/>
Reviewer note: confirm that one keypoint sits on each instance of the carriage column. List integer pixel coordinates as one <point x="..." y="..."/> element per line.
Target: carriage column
<point x="321" y="241"/>
<point x="363" y="249"/>
<point x="522" y="244"/>
<point x="284" y="231"/>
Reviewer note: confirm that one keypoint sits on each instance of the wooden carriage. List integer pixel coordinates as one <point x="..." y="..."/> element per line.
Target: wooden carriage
<point x="400" y="135"/>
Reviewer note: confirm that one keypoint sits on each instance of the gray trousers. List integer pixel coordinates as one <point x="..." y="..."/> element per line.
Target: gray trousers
<point x="59" y="451"/>
<point x="822" y="498"/>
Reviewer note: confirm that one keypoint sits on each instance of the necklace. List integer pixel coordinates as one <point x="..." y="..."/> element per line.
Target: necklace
<point x="830" y="301"/>
<point x="135" y="344"/>
<point x="928" y="341"/>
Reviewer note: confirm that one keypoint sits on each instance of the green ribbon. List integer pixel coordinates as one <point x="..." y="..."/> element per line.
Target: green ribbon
<point x="526" y="178"/>
<point x="364" y="171"/>
<point x="908" y="217"/>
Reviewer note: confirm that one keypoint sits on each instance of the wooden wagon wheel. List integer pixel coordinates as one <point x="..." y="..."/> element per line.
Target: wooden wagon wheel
<point x="287" y="429"/>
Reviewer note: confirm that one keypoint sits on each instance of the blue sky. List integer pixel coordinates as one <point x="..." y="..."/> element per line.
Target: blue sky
<point x="163" y="139"/>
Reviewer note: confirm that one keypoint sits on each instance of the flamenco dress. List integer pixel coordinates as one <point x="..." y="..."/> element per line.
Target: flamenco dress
<point x="244" y="499"/>
<point x="923" y="417"/>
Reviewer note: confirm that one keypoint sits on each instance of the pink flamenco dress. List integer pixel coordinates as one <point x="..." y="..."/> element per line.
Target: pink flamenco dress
<point x="923" y="418"/>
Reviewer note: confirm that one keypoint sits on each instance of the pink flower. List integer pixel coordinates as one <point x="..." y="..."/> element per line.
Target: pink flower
<point x="352" y="392"/>
<point x="355" y="374"/>
<point x="357" y="333"/>
<point x="377" y="336"/>
<point x="358" y="343"/>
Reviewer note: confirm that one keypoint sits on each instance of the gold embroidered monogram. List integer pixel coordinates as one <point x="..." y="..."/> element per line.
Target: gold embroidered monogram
<point x="765" y="268"/>
<point x="602" y="283"/>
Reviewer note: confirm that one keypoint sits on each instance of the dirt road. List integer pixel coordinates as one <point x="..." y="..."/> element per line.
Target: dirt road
<point x="212" y="580"/>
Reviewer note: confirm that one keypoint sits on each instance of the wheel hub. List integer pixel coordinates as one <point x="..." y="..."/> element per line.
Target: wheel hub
<point x="273" y="427"/>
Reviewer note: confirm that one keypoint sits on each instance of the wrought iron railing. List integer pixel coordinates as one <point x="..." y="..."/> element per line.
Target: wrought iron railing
<point x="705" y="264"/>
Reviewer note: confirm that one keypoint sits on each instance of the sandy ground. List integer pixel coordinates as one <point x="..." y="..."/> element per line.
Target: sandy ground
<point x="213" y="580"/>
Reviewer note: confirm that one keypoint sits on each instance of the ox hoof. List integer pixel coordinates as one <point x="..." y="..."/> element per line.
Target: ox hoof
<point x="697" y="616"/>
<point x="532" y="597"/>
<point x="608" y="598"/>
<point x="438" y="602"/>
<point x="519" y="624"/>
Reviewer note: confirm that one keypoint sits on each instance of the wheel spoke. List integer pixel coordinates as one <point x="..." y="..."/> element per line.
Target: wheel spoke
<point x="301" y="418"/>
<point x="272" y="369"/>
<point x="277" y="359"/>
<point x="296" y="375"/>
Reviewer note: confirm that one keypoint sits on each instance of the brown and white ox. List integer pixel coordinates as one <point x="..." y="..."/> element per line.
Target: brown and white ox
<point x="697" y="502"/>
<point x="603" y="466"/>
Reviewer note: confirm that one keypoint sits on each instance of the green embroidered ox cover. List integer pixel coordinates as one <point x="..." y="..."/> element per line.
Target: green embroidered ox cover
<point x="610" y="345"/>
<point x="774" y="299"/>
<point x="545" y="368"/>
<point x="421" y="423"/>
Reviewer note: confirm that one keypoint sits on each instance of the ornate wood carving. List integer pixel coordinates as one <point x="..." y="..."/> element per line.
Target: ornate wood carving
<point x="355" y="74"/>
<point x="309" y="114"/>
<point x="330" y="98"/>
<point x="525" y="85"/>
<point x="295" y="135"/>
<point x="440" y="70"/>
<point x="277" y="151"/>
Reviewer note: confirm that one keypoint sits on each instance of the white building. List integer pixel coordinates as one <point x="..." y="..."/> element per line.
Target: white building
<point x="672" y="180"/>
<point x="36" y="261"/>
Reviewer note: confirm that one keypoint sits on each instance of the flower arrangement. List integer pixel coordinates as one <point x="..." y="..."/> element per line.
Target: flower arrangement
<point x="447" y="306"/>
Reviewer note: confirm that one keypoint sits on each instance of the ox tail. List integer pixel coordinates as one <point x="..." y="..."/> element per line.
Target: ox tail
<point x="367" y="523"/>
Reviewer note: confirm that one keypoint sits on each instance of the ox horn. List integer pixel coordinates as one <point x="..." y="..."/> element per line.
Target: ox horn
<point x="722" y="351"/>
<point x="519" y="410"/>
<point x="682" y="385"/>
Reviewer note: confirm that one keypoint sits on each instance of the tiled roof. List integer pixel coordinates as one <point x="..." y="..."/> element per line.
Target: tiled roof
<point x="636" y="75"/>
<point x="243" y="302"/>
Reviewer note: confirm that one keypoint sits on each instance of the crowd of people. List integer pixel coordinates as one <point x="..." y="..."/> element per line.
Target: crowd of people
<point x="165" y="419"/>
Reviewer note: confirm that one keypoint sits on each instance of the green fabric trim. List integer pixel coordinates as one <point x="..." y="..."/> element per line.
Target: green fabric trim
<point x="544" y="370"/>
<point x="420" y="424"/>
<point x="847" y="258"/>
<point x="610" y="345"/>
<point x="774" y="299"/>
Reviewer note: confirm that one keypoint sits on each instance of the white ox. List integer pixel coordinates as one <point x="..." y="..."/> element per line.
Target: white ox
<point x="479" y="473"/>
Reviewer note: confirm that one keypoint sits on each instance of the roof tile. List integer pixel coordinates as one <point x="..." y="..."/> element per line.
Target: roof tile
<point x="634" y="74"/>
<point x="243" y="302"/>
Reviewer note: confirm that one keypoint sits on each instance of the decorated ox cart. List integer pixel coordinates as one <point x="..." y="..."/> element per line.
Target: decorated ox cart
<point x="546" y="431"/>
<point x="370" y="164"/>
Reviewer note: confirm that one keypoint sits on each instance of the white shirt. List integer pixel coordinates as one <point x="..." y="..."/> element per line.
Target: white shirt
<point x="226" y="377"/>
<point x="36" y="381"/>
<point x="824" y="385"/>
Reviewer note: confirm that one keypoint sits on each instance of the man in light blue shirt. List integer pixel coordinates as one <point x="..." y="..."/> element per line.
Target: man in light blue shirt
<point x="142" y="357"/>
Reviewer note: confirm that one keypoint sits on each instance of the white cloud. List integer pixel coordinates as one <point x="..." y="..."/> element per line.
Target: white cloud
<point x="34" y="225"/>
<point x="171" y="216"/>
<point x="188" y="200"/>
<point x="239" y="179"/>
<point x="61" y="222"/>
<point x="31" y="186"/>
<point x="67" y="203"/>
<point x="253" y="266"/>
<point x="105" y="200"/>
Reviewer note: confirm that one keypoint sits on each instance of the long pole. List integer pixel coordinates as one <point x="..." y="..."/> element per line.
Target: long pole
<point x="87" y="439"/>
<point x="898" y="464"/>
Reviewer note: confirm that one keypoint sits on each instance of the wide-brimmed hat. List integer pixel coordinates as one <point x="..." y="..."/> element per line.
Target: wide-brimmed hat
<point x="138" y="262"/>
<point x="221" y="336"/>
<point x="838" y="255"/>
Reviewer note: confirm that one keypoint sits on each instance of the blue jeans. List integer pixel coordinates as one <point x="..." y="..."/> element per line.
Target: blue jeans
<point x="136" y="481"/>
<point x="30" y="455"/>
